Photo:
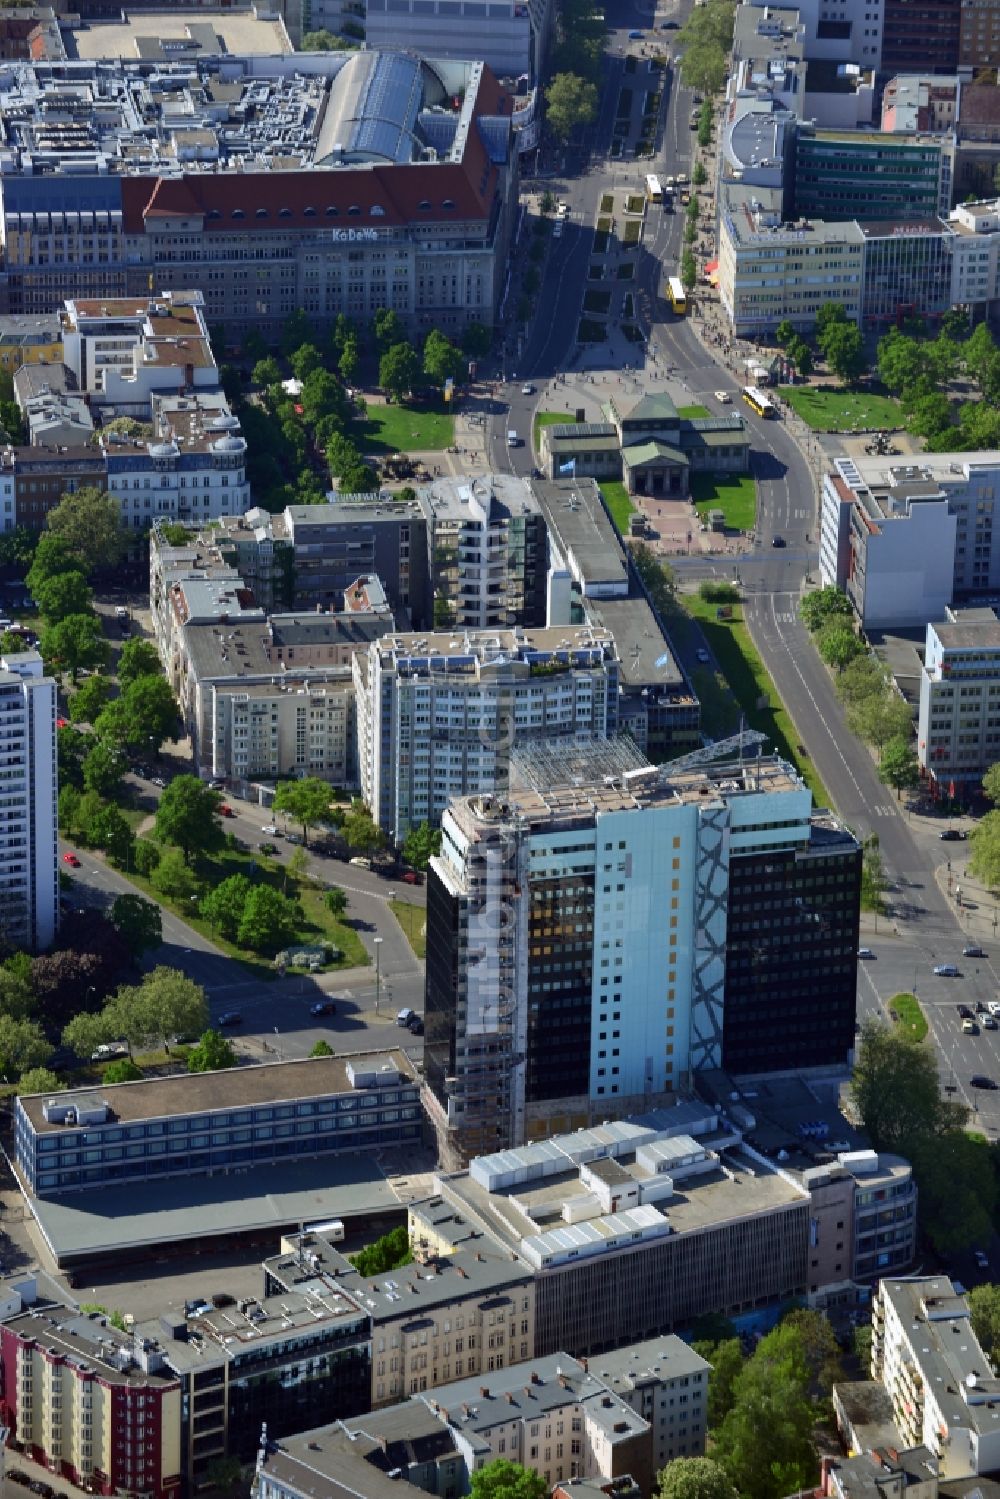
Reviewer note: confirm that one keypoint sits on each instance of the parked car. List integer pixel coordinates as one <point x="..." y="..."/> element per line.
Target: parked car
<point x="360" y="862"/>
<point x="946" y="971"/>
<point x="230" y="1018"/>
<point x="973" y="952"/>
<point x="323" y="1007"/>
<point x="865" y="952"/>
<point x="527" y="390"/>
<point x="270" y="829"/>
<point x="952" y="835"/>
<point x="635" y="36"/>
<point x="158" y="781"/>
<point x="703" y="656"/>
<point x="981" y="1258"/>
<point x="70" y="858"/>
<point x="216" y="785"/>
<point x="413" y="877"/>
<point x="225" y="810"/>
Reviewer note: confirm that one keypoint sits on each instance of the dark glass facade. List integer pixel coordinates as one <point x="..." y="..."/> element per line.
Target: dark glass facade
<point x="868" y="177"/>
<point x="560" y="980"/>
<point x="921" y="36"/>
<point x="791" y="957"/>
<point x="444" y="916"/>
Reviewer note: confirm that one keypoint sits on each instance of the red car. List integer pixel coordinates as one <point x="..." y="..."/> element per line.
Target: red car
<point x="62" y="723"/>
<point x="70" y="858"/>
<point x="412" y="877"/>
<point x="226" y="811"/>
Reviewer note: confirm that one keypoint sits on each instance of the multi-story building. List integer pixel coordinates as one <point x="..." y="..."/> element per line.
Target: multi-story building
<point x="512" y="40"/>
<point x="124" y="351"/>
<point x="907" y="270"/>
<point x="486" y="551"/>
<point x="439" y="715"/>
<point x="89" y="1403"/>
<point x="357" y="536"/>
<point x="556" y="1415"/>
<point x="860" y="174"/>
<point x="944" y="1393"/>
<point x="29" y="872"/>
<point x="905" y="539"/>
<point x="463" y="1309"/>
<point x="916" y="102"/>
<point x="769" y="273"/>
<point x="193" y="471"/>
<point x="190" y="1125"/>
<point x="921" y="36"/>
<point x="958" y="726"/>
<point x="29" y="340"/>
<point x="289" y="1360"/>
<point x="34" y="480"/>
<point x="599" y="936"/>
<point x="422" y="224"/>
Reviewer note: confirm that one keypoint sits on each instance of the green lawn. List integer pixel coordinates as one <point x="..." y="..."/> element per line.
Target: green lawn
<point x="720" y="714"/>
<point x="911" y="1016"/>
<point x="734" y="494"/>
<point x="617" y="500"/>
<point x="740" y="663"/>
<point x="318" y="924"/>
<point x="413" y="920"/>
<point x="633" y="232"/>
<point x="551" y="419"/>
<point x="834" y="410"/>
<point x="405" y="429"/>
<point x="693" y="411"/>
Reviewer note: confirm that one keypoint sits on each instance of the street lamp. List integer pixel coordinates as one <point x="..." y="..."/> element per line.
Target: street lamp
<point x="377" y="943"/>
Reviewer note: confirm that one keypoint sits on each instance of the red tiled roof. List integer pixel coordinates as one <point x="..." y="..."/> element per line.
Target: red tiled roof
<point x="406" y="194"/>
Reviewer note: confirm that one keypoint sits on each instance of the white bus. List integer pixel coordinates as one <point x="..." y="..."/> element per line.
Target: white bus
<point x="654" y="192"/>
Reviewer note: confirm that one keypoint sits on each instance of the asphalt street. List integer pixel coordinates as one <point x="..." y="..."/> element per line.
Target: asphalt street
<point x="927" y="929"/>
<point x="275" y="1015"/>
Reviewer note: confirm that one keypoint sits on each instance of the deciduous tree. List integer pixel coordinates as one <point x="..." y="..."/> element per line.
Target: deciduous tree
<point x="104" y="765"/>
<point x="214" y="1053"/>
<point x="570" y="101"/>
<point x="173" y="877"/>
<point x="306" y="801"/>
<point x="22" y="1046"/>
<point x="336" y="901"/>
<point x="984" y="1306"/>
<point x="139" y="921"/>
<point x="896" y="1090"/>
<point x="64" y="594"/>
<point x="694" y="1478"/>
<point x="74" y="642"/>
<point x="40" y="1080"/>
<point x="269" y="920"/>
<point x="89" y="522"/>
<point x="898" y="766"/>
<point x="224" y="903"/>
<point x="399" y="370"/>
<point x="137" y="658"/>
<point x="188" y="815"/>
<point x="87" y="702"/>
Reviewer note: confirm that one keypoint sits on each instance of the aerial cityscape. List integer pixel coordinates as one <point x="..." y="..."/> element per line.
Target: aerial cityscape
<point x="500" y="749"/>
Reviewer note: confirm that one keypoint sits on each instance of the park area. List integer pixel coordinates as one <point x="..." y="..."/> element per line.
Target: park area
<point x="907" y="1014"/>
<point x="405" y="429"/>
<point x="828" y="409"/>
<point x="734" y="494"/>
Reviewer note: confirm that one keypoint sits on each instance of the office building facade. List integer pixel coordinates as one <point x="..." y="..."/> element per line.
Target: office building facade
<point x="29" y="870"/>
<point x="584" y="959"/>
<point x="958" y="725"/>
<point x="178" y="1126"/>
<point x="486" y="552"/>
<point x="439" y="715"/>
<point x="865" y="174"/>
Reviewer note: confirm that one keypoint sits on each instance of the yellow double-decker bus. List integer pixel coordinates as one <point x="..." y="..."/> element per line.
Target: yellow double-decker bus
<point x="758" y="400"/>
<point x="677" y="295"/>
<point x="654" y="191"/>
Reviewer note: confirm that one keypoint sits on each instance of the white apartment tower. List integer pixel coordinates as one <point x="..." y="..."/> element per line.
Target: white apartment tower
<point x="29" y="873"/>
<point x="438" y="715"/>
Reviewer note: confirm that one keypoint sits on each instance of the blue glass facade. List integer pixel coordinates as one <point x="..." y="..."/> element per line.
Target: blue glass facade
<point x="74" y="1158"/>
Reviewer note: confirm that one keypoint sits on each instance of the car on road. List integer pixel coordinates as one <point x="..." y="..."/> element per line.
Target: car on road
<point x="946" y="971"/>
<point x="777" y="541"/>
<point x="527" y="390"/>
<point x="723" y="397"/>
<point x="981" y="1258"/>
<point x="557" y="229"/>
<point x="71" y="859"/>
<point x="964" y="1012"/>
<point x="216" y="785"/>
<point x="404" y="1017"/>
<point x="270" y="829"/>
<point x="668" y="25"/>
<point x="108" y="1050"/>
<point x="230" y="1017"/>
<point x="635" y="36"/>
<point x="225" y="810"/>
<point x="990" y="1023"/>
<point x="994" y="1006"/>
<point x="323" y="1007"/>
<point x="415" y="1025"/>
<point x="865" y="952"/>
<point x="62" y="723"/>
<point x="980" y="1080"/>
<point x="703" y="656"/>
<point x="970" y="1028"/>
<point x="972" y="951"/>
<point x="413" y="877"/>
<point x="360" y="862"/>
<point x="158" y="781"/>
<point x="952" y="835"/>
